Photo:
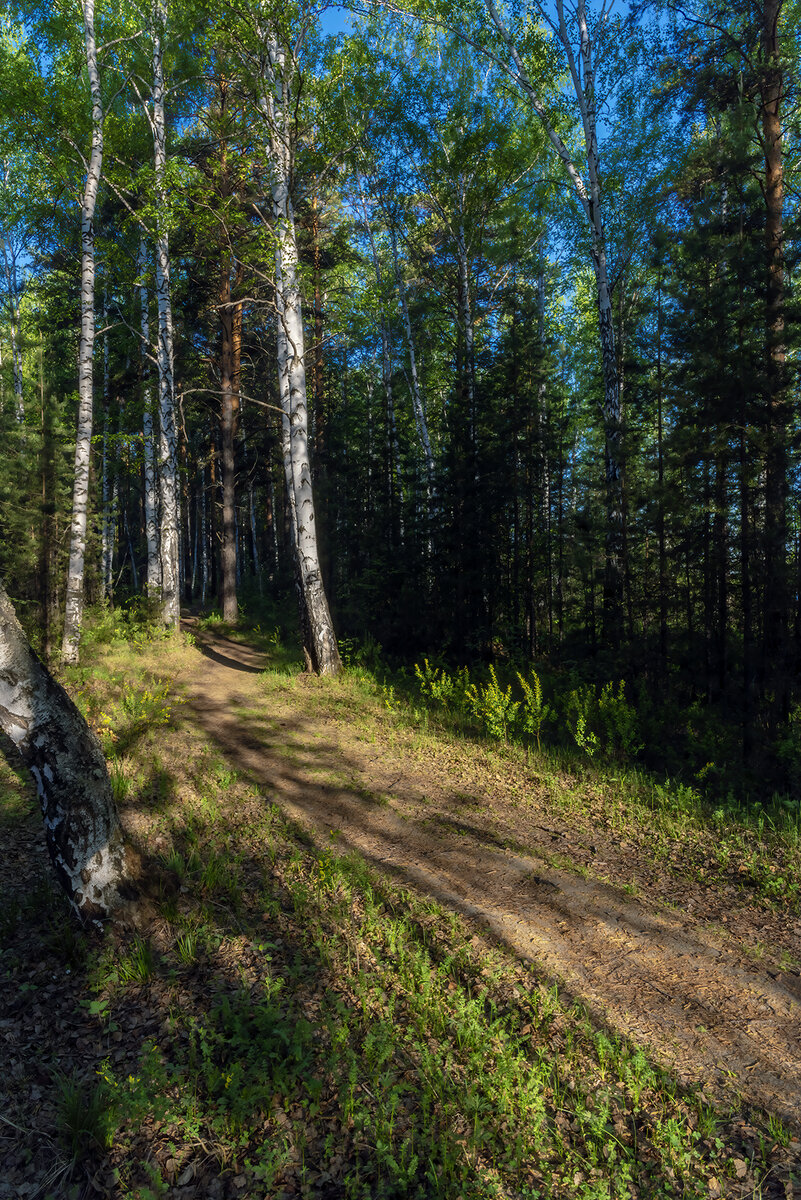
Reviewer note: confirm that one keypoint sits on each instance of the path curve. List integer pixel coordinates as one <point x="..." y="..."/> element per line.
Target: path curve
<point x="660" y="976"/>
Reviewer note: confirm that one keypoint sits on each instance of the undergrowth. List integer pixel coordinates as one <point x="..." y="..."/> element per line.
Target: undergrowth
<point x="595" y="774"/>
<point x="291" y="1023"/>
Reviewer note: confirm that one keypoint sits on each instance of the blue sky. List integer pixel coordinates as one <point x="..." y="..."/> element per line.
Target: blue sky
<point x="335" y="19"/>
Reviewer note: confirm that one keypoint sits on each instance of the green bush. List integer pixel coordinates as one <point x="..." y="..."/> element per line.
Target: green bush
<point x="603" y="721"/>
<point x="493" y="707"/>
<point x="534" y="713"/>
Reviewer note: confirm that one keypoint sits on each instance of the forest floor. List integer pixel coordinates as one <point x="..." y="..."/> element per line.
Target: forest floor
<point x="378" y="959"/>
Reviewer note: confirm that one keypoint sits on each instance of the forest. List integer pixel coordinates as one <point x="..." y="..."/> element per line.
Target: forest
<point x="400" y="599"/>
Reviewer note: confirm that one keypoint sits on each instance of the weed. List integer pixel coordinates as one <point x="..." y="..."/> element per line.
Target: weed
<point x="186" y="946"/>
<point x="138" y="964"/>
<point x="85" y="1116"/>
<point x="492" y="706"/>
<point x="120" y="783"/>
<point x="534" y="713"/>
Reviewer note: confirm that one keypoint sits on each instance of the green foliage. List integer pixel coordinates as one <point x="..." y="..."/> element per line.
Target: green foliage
<point x="492" y="707"/>
<point x="138" y="963"/>
<point x="246" y="1051"/>
<point x="85" y="1118"/>
<point x="603" y="721"/>
<point x="440" y="687"/>
<point x="534" y="712"/>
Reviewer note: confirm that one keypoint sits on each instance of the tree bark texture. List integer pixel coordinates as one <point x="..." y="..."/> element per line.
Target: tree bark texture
<point x="83" y="443"/>
<point x="168" y="436"/>
<point x="65" y="760"/>
<point x="151" y="499"/>
<point x="590" y="196"/>
<point x="229" y="421"/>
<point x="275" y="103"/>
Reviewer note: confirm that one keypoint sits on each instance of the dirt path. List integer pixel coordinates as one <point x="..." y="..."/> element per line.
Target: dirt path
<point x="660" y="974"/>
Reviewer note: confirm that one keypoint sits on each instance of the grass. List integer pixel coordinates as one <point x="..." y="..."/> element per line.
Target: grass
<point x="756" y="847"/>
<point x="292" y="1019"/>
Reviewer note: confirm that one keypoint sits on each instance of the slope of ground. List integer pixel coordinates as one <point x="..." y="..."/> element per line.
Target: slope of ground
<point x="267" y="804"/>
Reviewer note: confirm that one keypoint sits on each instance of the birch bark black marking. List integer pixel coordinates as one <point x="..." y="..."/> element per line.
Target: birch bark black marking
<point x="153" y="576"/>
<point x="66" y="763"/>
<point x="168" y="435"/>
<point x="80" y="501"/>
<point x="275" y="104"/>
<point x="590" y="197"/>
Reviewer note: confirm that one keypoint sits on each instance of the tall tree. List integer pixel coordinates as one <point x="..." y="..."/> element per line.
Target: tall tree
<point x="274" y="82"/>
<point x="80" y="503"/>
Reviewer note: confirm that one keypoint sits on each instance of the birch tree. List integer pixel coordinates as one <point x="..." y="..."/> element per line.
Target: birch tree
<point x="275" y="102"/>
<point x="168" y="439"/>
<point x="571" y="31"/>
<point x="66" y="763"/>
<point x="80" y="503"/>
<point x="153" y="575"/>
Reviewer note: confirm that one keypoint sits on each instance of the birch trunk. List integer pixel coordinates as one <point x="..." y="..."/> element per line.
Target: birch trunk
<point x="590" y="196"/>
<point x="417" y="399"/>
<point x="393" y="466"/>
<point x="275" y="103"/>
<point x="168" y="436"/>
<point x="153" y="575"/>
<point x="83" y="444"/>
<point x="65" y="760"/>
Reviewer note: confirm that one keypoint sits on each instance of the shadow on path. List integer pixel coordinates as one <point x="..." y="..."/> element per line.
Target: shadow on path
<point x="658" y="976"/>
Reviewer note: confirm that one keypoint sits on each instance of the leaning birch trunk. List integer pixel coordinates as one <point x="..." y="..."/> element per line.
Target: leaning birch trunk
<point x="67" y="765"/>
<point x="275" y="106"/>
<point x="83" y="444"/>
<point x="168" y="438"/>
<point x="153" y="576"/>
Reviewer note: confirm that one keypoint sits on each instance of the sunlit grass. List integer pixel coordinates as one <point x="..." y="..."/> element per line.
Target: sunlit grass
<point x="319" y="1028"/>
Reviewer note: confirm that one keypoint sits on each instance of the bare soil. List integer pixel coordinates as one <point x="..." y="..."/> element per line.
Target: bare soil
<point x="690" y="971"/>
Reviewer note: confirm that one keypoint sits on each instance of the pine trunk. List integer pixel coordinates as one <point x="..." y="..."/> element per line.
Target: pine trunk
<point x="229" y="418"/>
<point x="776" y="600"/>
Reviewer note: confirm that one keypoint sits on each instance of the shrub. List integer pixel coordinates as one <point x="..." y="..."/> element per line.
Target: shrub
<point x="493" y="707"/>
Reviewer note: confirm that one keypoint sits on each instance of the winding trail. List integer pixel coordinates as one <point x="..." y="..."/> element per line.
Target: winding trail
<point x="668" y="977"/>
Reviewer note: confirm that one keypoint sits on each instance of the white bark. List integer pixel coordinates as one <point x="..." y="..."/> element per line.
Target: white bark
<point x="153" y="576"/>
<point x="590" y="196"/>
<point x="80" y="502"/>
<point x="386" y="364"/>
<point x="275" y="107"/>
<point x="417" y="398"/>
<point x="168" y="437"/>
<point x="107" y="535"/>
<point x="65" y="760"/>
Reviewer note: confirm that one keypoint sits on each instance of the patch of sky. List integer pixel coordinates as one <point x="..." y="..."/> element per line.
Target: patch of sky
<point x="334" y="19"/>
